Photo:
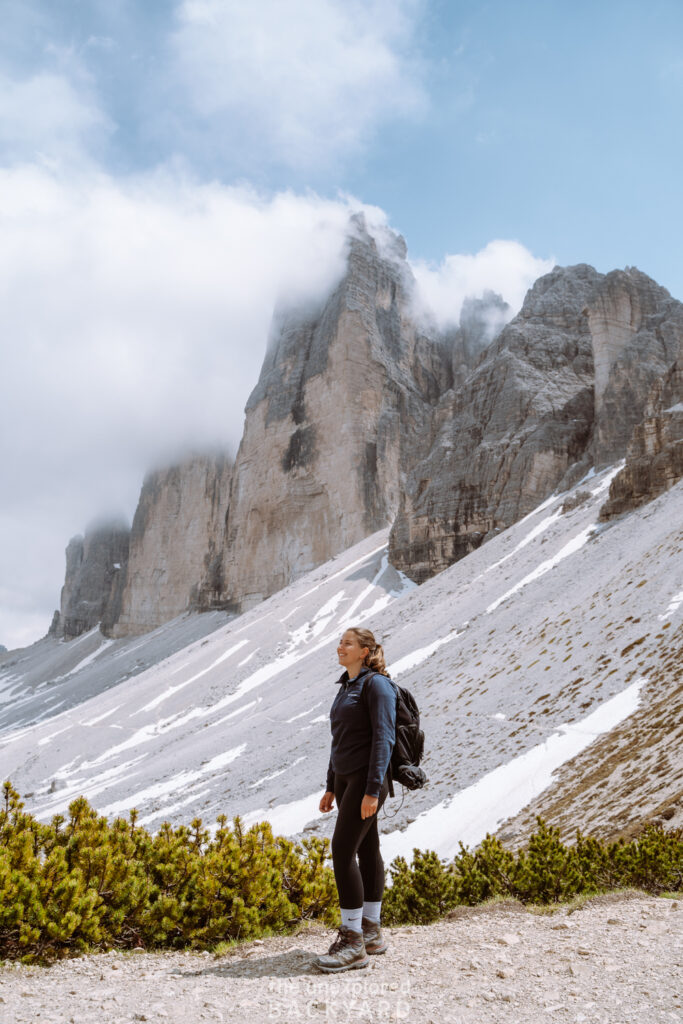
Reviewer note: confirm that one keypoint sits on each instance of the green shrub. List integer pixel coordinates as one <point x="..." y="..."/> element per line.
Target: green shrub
<point x="547" y="871"/>
<point x="420" y="894"/>
<point x="84" y="883"/>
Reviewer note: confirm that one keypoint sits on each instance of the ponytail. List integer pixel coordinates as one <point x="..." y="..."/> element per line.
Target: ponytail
<point x="376" y="662"/>
<point x="375" y="657"/>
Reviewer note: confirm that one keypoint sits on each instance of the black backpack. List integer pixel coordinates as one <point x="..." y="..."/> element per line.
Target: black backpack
<point x="410" y="740"/>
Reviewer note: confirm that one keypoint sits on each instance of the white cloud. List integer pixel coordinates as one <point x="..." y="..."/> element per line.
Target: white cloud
<point x="501" y="266"/>
<point x="134" y="316"/>
<point x="48" y="118"/>
<point x="302" y="82"/>
<point x="153" y="292"/>
<point x="134" y="311"/>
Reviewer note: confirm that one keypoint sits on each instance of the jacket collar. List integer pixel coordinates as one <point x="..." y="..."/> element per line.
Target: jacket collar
<point x="344" y="677"/>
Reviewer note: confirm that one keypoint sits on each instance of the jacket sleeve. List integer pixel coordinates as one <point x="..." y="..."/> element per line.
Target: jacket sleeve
<point x="382" y="707"/>
<point x="329" y="784"/>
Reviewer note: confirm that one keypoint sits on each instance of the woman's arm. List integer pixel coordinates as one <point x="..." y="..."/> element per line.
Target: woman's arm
<point x="326" y="802"/>
<point x="381" y="701"/>
<point x="327" y="799"/>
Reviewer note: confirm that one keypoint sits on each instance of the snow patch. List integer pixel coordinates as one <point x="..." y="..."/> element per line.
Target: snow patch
<point x="168" y="809"/>
<point x="233" y="714"/>
<point x="674" y="605"/>
<point x="421" y="654"/>
<point x="274" y="775"/>
<point x="51" y="736"/>
<point x="574" y="545"/>
<point x="82" y="784"/>
<point x="345" y="569"/>
<point x="100" y="718"/>
<point x="174" y="784"/>
<point x="302" y="714"/>
<point x="139" y="736"/>
<point x="608" y="478"/>
<point x="468" y="815"/>
<point x="174" y="689"/>
<point x="287" y="819"/>
<point x="82" y="637"/>
<point x="86" y="661"/>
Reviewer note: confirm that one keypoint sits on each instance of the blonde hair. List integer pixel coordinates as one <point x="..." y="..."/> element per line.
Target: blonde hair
<point x="375" y="656"/>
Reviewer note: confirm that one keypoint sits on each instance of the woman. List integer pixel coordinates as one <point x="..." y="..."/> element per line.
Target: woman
<point x="363" y="734"/>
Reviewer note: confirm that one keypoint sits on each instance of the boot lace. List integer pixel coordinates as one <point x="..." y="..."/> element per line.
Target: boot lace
<point x="341" y="941"/>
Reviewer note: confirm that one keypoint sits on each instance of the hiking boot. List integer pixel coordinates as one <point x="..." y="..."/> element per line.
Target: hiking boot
<point x="373" y="938"/>
<point x="346" y="953"/>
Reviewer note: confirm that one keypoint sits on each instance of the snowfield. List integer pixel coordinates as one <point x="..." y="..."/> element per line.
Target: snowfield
<point x="520" y="656"/>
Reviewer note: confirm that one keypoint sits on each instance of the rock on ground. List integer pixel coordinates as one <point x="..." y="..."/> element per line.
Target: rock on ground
<point x="614" y="960"/>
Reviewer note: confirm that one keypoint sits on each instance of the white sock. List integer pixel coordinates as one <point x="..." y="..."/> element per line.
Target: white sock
<point x="352" y="919"/>
<point x="372" y="911"/>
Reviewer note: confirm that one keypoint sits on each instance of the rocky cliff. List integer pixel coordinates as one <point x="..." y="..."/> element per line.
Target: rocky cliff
<point x="93" y="585"/>
<point x="561" y="389"/>
<point x="654" y="459"/>
<point x="174" y="562"/>
<point x="342" y="389"/>
<point x="364" y="416"/>
<point x="509" y="434"/>
<point x="637" y="334"/>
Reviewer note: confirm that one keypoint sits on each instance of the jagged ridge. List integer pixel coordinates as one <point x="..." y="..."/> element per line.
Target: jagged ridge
<point x="364" y="417"/>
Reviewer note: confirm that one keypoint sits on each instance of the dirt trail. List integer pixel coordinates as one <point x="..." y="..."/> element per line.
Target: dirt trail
<point x="616" y="960"/>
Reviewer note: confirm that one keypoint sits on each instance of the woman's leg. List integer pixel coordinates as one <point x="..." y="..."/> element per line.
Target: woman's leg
<point x="371" y="866"/>
<point x="349" y="951"/>
<point x="350" y="833"/>
<point x="370" y="858"/>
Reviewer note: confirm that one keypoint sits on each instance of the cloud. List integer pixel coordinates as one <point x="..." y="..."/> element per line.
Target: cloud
<point x="301" y="82"/>
<point x="134" y="316"/>
<point x="48" y="118"/>
<point x="134" y="310"/>
<point x="505" y="267"/>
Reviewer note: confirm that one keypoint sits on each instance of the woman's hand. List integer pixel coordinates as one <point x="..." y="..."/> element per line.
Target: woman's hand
<point x="369" y="806"/>
<point x="326" y="801"/>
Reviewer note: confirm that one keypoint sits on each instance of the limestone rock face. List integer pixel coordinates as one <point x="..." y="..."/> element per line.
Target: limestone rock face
<point x="637" y="333"/>
<point x="507" y="436"/>
<point x="175" y="543"/>
<point x="95" y="571"/>
<point x="343" y="388"/>
<point x="654" y="461"/>
<point x="481" y="320"/>
<point x="364" y="416"/>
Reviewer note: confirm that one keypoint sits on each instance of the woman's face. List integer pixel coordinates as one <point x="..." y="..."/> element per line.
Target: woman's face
<point x="349" y="650"/>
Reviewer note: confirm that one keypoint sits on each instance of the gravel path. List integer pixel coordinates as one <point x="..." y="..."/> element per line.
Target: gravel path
<point x="616" y="960"/>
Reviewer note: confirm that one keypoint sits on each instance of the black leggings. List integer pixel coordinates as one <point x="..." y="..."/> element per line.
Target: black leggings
<point x="363" y="879"/>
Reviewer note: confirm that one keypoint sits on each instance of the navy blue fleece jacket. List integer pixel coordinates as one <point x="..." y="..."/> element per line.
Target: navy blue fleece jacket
<point x="359" y="738"/>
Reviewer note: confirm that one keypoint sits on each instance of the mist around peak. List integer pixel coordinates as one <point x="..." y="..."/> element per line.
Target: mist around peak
<point x="505" y="268"/>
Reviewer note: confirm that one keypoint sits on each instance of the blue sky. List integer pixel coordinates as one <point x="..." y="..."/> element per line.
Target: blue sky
<point x="169" y="170"/>
<point x="553" y="123"/>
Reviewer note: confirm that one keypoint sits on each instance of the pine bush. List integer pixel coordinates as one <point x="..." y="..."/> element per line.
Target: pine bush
<point x="547" y="871"/>
<point x="420" y="894"/>
<point x="485" y="873"/>
<point x="84" y="883"/>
